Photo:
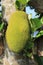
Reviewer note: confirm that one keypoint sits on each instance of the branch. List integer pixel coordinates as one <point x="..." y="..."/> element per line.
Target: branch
<point x="37" y="5"/>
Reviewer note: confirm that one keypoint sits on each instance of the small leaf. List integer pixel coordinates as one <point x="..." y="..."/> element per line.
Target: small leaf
<point x="17" y="4"/>
<point x="42" y="20"/>
<point x="23" y="1"/>
<point x="36" y="23"/>
<point x="1" y="26"/>
<point x="0" y="14"/>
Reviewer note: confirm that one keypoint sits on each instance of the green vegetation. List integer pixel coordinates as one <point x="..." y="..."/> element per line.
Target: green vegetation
<point x="21" y="4"/>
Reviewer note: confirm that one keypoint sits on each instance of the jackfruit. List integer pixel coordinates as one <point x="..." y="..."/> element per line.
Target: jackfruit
<point x="18" y="31"/>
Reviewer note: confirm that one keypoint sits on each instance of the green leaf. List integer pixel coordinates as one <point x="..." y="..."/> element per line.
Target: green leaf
<point x="42" y="20"/>
<point x="20" y="4"/>
<point x="36" y="23"/>
<point x="17" y="4"/>
<point x="39" y="34"/>
<point x="1" y="26"/>
<point x="29" y="55"/>
<point x="0" y="14"/>
<point x="23" y="1"/>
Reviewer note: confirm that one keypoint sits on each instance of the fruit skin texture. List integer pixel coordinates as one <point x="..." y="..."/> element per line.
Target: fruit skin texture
<point x="18" y="31"/>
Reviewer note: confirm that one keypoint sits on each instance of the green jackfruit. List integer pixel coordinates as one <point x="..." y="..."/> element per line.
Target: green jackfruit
<point x="18" y="31"/>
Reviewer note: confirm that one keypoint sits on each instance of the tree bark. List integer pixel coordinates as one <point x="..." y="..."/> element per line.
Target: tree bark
<point x="37" y="5"/>
<point x="39" y="45"/>
<point x="9" y="7"/>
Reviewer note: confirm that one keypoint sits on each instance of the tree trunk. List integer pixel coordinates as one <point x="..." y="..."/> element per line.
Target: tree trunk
<point x="39" y="46"/>
<point x="39" y="50"/>
<point x="9" y="7"/>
